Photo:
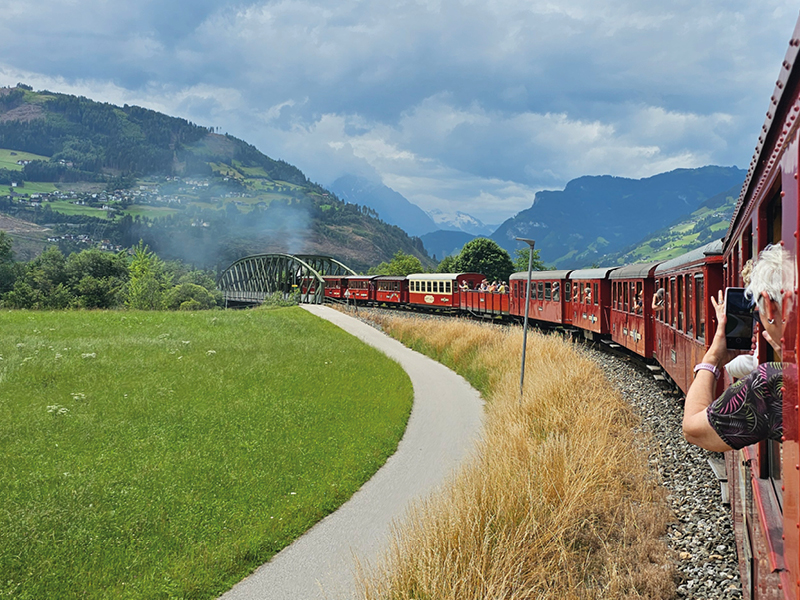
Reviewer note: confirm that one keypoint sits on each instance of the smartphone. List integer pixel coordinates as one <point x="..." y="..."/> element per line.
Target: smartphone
<point x="739" y="324"/>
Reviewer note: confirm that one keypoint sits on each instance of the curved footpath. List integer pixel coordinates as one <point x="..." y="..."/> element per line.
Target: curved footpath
<point x="445" y="422"/>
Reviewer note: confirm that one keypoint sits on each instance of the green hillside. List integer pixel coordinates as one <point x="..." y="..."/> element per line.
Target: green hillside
<point x="127" y="173"/>
<point x="707" y="223"/>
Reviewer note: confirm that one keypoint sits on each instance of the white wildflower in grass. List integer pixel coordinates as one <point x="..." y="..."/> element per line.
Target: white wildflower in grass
<point x="58" y="355"/>
<point x="20" y="345"/>
<point x="78" y="396"/>
<point x="187" y="341"/>
<point x="89" y="355"/>
<point x="57" y="409"/>
<point x="211" y="352"/>
<point x="26" y="359"/>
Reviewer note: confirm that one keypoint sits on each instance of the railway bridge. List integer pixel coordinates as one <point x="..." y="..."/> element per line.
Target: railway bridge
<point x="250" y="280"/>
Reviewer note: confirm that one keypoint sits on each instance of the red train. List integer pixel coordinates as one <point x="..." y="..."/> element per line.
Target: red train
<point x="674" y="330"/>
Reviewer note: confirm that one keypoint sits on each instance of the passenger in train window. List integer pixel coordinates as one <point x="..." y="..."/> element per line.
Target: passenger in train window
<point x="638" y="304"/>
<point x="658" y="300"/>
<point x="751" y="410"/>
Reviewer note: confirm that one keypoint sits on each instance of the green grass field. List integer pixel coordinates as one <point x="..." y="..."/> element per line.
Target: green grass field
<point x="9" y="160"/>
<point x="166" y="455"/>
<point x="151" y="212"/>
<point x="67" y="208"/>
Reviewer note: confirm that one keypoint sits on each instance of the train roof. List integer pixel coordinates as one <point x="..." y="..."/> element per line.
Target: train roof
<point x="359" y="277"/>
<point x="601" y="273"/>
<point x="637" y="271"/>
<point x="538" y="275"/>
<point x="390" y="278"/>
<point x="712" y="249"/>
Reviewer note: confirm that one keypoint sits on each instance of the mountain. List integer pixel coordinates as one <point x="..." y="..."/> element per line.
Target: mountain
<point x="444" y="243"/>
<point x="460" y="221"/>
<point x="600" y="215"/>
<point x="391" y="206"/>
<point x="707" y="223"/>
<point x="127" y="173"/>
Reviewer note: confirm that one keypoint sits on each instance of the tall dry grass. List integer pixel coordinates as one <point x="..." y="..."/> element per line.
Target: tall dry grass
<point x="557" y="502"/>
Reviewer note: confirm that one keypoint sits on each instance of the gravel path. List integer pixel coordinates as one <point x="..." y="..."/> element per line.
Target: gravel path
<point x="702" y="536"/>
<point x="445" y="423"/>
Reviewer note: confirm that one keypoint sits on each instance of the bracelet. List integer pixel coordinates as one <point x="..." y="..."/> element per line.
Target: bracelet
<point x="707" y="367"/>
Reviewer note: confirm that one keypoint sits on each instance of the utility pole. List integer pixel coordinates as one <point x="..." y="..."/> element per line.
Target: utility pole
<point x="530" y="243"/>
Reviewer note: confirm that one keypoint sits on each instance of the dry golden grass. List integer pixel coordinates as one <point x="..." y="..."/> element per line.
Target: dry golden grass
<point x="557" y="502"/>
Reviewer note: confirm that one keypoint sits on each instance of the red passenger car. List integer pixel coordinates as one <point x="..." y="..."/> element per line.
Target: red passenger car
<point x="550" y="296"/>
<point x="631" y="308"/>
<point x="591" y="301"/>
<point x="335" y="285"/>
<point x="440" y="290"/>
<point x="684" y="327"/>
<point x="390" y="289"/>
<point x="764" y="479"/>
<point x="360" y="287"/>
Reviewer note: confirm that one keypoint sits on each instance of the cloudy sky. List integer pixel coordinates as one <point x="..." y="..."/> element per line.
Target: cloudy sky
<point x="457" y="104"/>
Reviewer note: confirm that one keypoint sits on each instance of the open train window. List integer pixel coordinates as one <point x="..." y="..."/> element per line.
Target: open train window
<point x="556" y="287"/>
<point x="700" y="307"/>
<point x="673" y="319"/>
<point x="625" y="300"/>
<point x="567" y="290"/>
<point x="639" y="298"/>
<point x="679" y="302"/>
<point x="540" y="294"/>
<point x="596" y="295"/>
<point x="547" y="288"/>
<point x="689" y="312"/>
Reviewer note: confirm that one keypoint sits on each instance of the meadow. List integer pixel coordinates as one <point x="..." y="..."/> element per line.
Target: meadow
<point x="9" y="158"/>
<point x="167" y="455"/>
<point x="558" y="501"/>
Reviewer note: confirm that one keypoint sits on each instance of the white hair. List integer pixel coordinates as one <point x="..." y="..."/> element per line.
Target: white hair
<point x="767" y="276"/>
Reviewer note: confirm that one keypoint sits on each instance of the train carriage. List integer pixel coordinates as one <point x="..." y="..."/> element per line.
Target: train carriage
<point x="391" y="289"/>
<point x="484" y="303"/>
<point x="591" y="301"/>
<point x="550" y="296"/>
<point x="683" y="328"/>
<point x="764" y="479"/>
<point x="440" y="290"/>
<point x="360" y="288"/>
<point x="632" y="291"/>
<point x="335" y="285"/>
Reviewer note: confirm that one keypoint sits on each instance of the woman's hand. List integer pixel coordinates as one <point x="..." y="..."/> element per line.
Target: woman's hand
<point x="718" y="353"/>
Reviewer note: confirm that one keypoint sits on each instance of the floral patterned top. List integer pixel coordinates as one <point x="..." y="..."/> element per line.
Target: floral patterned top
<point x="751" y="410"/>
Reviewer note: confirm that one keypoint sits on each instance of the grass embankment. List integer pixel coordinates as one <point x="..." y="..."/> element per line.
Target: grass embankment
<point x="558" y="502"/>
<point x="155" y="455"/>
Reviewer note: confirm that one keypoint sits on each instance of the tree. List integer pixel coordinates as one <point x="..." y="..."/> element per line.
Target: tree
<point x="148" y="280"/>
<point x="483" y="255"/>
<point x="449" y="264"/>
<point x="189" y="296"/>
<point x="521" y="260"/>
<point x="402" y="264"/>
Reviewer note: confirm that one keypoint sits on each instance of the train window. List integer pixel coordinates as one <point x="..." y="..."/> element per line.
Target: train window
<point x="700" y="307"/>
<point x="671" y="302"/>
<point x="576" y="292"/>
<point x="540" y="293"/>
<point x="556" y="287"/>
<point x="680" y="302"/>
<point x="567" y="290"/>
<point x="774" y="218"/>
<point x="435" y="287"/>
<point x="639" y="298"/>
<point x="625" y="298"/>
<point x="547" y="289"/>
<point x="596" y="295"/>
<point x="614" y="295"/>
<point x="429" y="286"/>
<point x="689" y="312"/>
<point x="448" y="288"/>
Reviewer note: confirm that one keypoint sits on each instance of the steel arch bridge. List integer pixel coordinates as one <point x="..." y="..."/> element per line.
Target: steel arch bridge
<point x="250" y="280"/>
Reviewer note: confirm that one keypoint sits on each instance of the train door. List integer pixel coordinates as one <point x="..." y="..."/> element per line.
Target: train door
<point x="567" y="302"/>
